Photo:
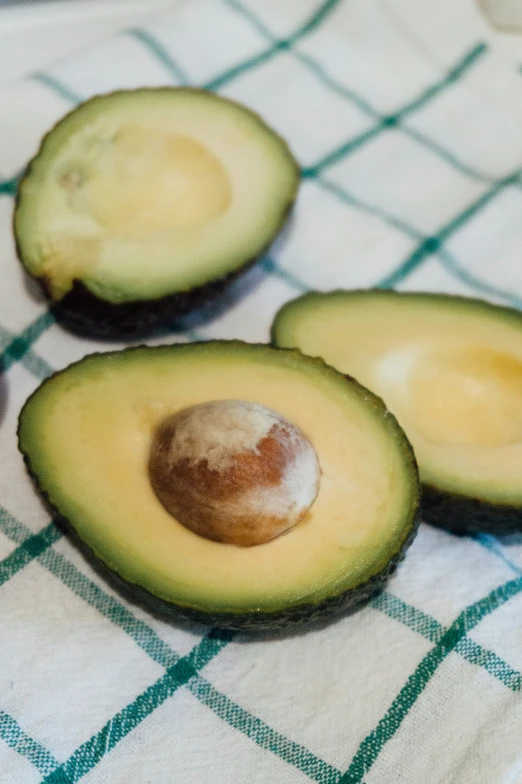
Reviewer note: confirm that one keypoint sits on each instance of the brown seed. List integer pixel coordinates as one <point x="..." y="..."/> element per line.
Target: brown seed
<point x="234" y="471"/>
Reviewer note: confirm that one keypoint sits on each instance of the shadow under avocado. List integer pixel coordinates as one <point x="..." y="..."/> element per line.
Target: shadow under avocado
<point x="84" y="315"/>
<point x="237" y="291"/>
<point x="33" y="289"/>
<point x="138" y="597"/>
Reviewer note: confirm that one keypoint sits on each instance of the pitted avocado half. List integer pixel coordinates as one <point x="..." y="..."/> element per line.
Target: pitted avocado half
<point x="86" y="435"/>
<point x="450" y="369"/>
<point x="145" y="203"/>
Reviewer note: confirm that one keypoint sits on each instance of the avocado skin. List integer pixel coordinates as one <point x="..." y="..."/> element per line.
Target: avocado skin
<point x="87" y="315"/>
<point x="291" y="618"/>
<point x="286" y="619"/>
<point x="464" y="515"/>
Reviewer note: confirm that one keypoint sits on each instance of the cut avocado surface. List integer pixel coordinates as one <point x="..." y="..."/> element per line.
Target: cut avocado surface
<point x="450" y="369"/>
<point x="148" y="195"/>
<point x="86" y="435"/>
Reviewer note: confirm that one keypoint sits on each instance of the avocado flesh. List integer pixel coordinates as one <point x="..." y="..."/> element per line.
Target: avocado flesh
<point x="86" y="435"/>
<point x="142" y="194"/>
<point x="450" y="369"/>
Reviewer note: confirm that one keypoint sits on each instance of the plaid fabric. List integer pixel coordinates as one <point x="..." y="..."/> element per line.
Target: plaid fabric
<point x="411" y="159"/>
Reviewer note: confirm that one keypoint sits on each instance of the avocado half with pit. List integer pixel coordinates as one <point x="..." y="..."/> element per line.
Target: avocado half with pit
<point x="143" y="204"/>
<point x="450" y="369"/>
<point x="88" y="432"/>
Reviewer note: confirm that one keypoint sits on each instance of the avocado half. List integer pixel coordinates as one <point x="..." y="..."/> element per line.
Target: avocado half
<point x="86" y="434"/>
<point x="450" y="369"/>
<point x="144" y="204"/>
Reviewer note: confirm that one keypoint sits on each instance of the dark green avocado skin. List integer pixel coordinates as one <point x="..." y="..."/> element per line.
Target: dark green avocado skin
<point x="86" y="315"/>
<point x="292" y="618"/>
<point x="463" y="515"/>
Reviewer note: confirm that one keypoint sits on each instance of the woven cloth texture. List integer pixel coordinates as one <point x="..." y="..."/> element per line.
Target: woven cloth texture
<point x="408" y="130"/>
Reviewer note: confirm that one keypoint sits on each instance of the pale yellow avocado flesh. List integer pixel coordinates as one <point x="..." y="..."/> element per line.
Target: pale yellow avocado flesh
<point x="143" y="193"/>
<point x="449" y="368"/>
<point x="87" y="433"/>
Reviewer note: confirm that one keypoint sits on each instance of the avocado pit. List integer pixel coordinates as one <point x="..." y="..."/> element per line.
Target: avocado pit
<point x="234" y="471"/>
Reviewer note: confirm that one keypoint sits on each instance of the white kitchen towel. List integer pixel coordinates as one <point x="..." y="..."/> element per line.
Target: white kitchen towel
<point x="408" y="129"/>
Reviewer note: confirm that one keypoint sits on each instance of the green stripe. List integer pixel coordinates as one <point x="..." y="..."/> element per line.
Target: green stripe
<point x="315" y="21"/>
<point x="317" y="18"/>
<point x="431" y="245"/>
<point x="110" y="608"/>
<point x="254" y="20"/>
<point x="263" y="735"/>
<point x="97" y="598"/>
<point x="492" y="544"/>
<point x="312" y="24"/>
<point x="450" y="263"/>
<point x="385" y="124"/>
<point x="161" y="54"/>
<point x="242" y="68"/>
<point x="391" y="220"/>
<point x="343" y="151"/>
<point x="391" y="121"/>
<point x="373" y="744"/>
<point x="12" y="734"/>
<point x="37" y="327"/>
<point x="269" y="265"/>
<point x="57" y="87"/>
<point x="334" y="86"/>
<point x="447" y="156"/>
<point x="12" y="528"/>
<point x="433" y="631"/>
<point x="8" y="187"/>
<point x="19" y="347"/>
<point x="33" y="362"/>
<point x="479" y="204"/>
<point x="427" y="247"/>
<point x="493" y="664"/>
<point x="26" y="552"/>
<point x="414" y="619"/>
<point x="90" y="753"/>
<point x="36" y="365"/>
<point x="453" y="76"/>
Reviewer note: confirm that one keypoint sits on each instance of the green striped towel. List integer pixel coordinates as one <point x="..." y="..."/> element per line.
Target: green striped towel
<point x="409" y="132"/>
